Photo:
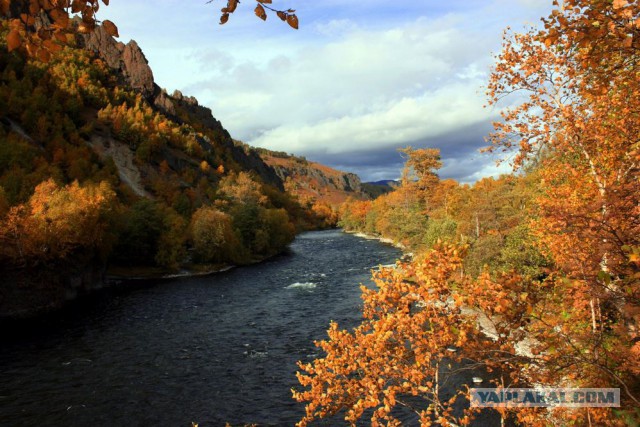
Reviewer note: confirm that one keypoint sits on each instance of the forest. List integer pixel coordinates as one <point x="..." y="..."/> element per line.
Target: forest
<point x="533" y="277"/>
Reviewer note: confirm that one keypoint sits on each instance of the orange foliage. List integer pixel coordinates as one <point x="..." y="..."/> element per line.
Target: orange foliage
<point x="583" y="115"/>
<point x="241" y="188"/>
<point x="326" y="215"/>
<point x="40" y="37"/>
<point x="55" y="222"/>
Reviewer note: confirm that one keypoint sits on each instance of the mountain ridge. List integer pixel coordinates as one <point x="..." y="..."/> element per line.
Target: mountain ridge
<point x="313" y="181"/>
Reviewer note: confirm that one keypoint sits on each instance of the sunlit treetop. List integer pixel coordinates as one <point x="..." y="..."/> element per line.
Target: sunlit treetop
<point x="40" y="27"/>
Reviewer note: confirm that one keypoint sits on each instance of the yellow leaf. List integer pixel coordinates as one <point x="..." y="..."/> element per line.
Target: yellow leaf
<point x="292" y="20"/>
<point x="13" y="40"/>
<point x="60" y="17"/>
<point x="110" y="28"/>
<point x="84" y="28"/>
<point x="44" y="55"/>
<point x="619" y="4"/>
<point x="260" y="12"/>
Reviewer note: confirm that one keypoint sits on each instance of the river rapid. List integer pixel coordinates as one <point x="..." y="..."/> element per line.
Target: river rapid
<point x="211" y="350"/>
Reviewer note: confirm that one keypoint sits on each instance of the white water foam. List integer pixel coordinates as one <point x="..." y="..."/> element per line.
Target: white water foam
<point x="305" y="285"/>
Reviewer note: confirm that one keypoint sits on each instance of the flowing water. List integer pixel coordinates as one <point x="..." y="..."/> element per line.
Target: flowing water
<point x="212" y="350"/>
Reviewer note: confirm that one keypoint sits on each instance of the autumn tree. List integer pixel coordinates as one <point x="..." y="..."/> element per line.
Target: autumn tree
<point x="150" y="233"/>
<point x="420" y="328"/>
<point x="420" y="169"/>
<point x="241" y="188"/>
<point x="56" y="222"/>
<point x="353" y="214"/>
<point x="214" y="239"/>
<point x="580" y="121"/>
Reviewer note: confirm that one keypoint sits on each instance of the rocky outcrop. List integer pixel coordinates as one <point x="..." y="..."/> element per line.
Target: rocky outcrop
<point x="252" y="161"/>
<point x="164" y="103"/>
<point x="196" y="112"/>
<point x="352" y="182"/>
<point x="127" y="59"/>
<point x="123" y="158"/>
<point x="136" y="69"/>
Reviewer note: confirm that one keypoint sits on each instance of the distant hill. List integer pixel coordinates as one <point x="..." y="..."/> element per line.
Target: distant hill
<point x="376" y="189"/>
<point x="385" y="183"/>
<point x="312" y="181"/>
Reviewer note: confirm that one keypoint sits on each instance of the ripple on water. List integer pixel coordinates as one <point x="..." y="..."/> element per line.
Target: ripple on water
<point x="305" y="286"/>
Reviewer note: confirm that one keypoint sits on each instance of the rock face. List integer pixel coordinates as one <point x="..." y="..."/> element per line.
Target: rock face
<point x="254" y="162"/>
<point x="123" y="158"/>
<point x="352" y="182"/>
<point x="127" y="59"/>
<point x="163" y="102"/>
<point x="137" y="70"/>
<point x="196" y="112"/>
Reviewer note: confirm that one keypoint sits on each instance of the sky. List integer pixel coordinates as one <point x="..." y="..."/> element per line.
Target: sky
<point x="357" y="81"/>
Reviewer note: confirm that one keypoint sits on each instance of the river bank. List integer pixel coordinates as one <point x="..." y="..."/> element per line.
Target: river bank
<point x="406" y="254"/>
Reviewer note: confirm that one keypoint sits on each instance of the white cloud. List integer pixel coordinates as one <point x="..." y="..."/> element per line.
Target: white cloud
<point x="395" y="124"/>
<point x="369" y="89"/>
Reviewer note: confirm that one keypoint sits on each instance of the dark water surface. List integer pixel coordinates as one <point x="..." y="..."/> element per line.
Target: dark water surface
<point x="210" y="350"/>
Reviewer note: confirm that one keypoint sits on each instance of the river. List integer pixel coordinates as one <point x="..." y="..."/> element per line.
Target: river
<point x="211" y="350"/>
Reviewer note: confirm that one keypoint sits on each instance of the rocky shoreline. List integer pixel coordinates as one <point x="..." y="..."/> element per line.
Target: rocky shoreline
<point x="406" y="255"/>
